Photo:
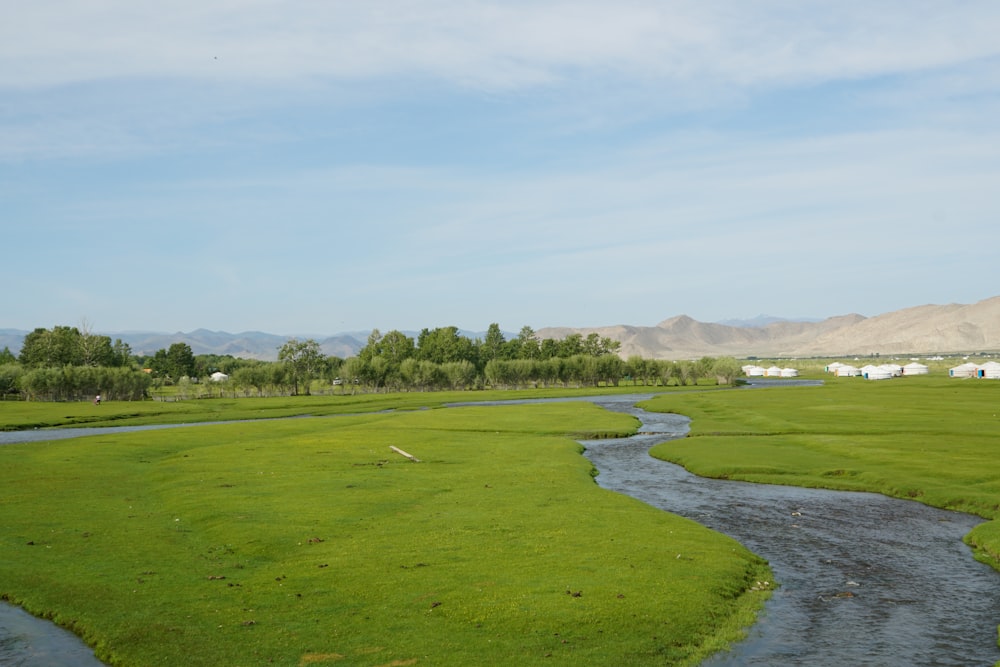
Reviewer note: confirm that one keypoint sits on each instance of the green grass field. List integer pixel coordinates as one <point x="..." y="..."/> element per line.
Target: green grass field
<point x="308" y="541"/>
<point x="23" y="415"/>
<point x="931" y="439"/>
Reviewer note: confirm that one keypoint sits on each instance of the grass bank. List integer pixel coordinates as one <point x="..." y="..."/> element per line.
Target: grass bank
<point x="304" y="542"/>
<point x="931" y="439"/>
<point x="24" y="415"/>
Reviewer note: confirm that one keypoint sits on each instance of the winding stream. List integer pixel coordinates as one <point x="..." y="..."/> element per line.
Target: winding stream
<point x="864" y="579"/>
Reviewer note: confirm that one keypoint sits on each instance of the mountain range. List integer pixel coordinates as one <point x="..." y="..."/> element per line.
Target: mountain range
<point x="928" y="329"/>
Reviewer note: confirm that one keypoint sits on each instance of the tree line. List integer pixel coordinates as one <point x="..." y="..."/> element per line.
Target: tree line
<point x="65" y="363"/>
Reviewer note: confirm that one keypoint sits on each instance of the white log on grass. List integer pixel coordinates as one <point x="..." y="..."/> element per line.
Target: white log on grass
<point x="402" y="453"/>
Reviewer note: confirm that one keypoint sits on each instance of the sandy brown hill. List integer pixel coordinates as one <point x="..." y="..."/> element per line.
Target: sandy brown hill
<point x="920" y="330"/>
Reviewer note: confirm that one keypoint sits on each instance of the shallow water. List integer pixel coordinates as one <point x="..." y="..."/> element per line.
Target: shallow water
<point x="864" y="579"/>
<point x="26" y="641"/>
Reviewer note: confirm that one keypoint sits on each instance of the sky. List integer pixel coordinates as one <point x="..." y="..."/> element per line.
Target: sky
<point x="305" y="167"/>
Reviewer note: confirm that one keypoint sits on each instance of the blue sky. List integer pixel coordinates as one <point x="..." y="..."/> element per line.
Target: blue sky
<point x="306" y="168"/>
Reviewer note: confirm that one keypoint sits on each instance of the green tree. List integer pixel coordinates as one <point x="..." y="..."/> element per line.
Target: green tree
<point x="394" y="347"/>
<point x="59" y="346"/>
<point x="443" y="345"/>
<point x="549" y="348"/>
<point x="610" y="368"/>
<point x="459" y="374"/>
<point x="596" y="345"/>
<point x="528" y="347"/>
<point x="493" y="345"/>
<point x="371" y="348"/>
<point x="571" y="345"/>
<point x="638" y="368"/>
<point x="121" y="354"/>
<point x="352" y="371"/>
<point x="179" y="361"/>
<point x="10" y="378"/>
<point x="304" y="360"/>
<point x="726" y="370"/>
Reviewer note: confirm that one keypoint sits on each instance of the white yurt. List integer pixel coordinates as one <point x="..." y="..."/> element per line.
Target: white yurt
<point x="754" y="371"/>
<point x="966" y="370"/>
<point x="895" y="369"/>
<point x="847" y="371"/>
<point x="773" y="372"/>
<point x="990" y="370"/>
<point x="878" y="373"/>
<point x="914" y="368"/>
<point x="832" y="368"/>
<point x="789" y="373"/>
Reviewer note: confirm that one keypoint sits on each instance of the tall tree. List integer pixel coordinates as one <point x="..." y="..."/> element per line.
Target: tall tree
<point x="304" y="359"/>
<point x="571" y="345"/>
<point x="179" y="361"/>
<point x="493" y="345"/>
<point x="394" y="347"/>
<point x="6" y="356"/>
<point x="59" y="346"/>
<point x="444" y="345"/>
<point x="528" y="347"/>
<point x="121" y="353"/>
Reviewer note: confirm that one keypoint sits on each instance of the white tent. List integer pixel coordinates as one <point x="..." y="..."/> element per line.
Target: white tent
<point x="789" y="373"/>
<point x="990" y="370"/>
<point x="878" y="373"/>
<point x="773" y="372"/>
<point x="218" y="376"/>
<point x="966" y="370"/>
<point x="847" y="371"/>
<point x="895" y="369"/>
<point x="914" y="369"/>
<point x="754" y="371"/>
<point x="832" y="368"/>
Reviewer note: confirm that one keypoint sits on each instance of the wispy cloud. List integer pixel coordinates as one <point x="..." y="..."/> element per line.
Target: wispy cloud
<point x="495" y="45"/>
<point x="403" y="155"/>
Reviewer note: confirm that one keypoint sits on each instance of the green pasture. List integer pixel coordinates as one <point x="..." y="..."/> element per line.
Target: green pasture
<point x="310" y="542"/>
<point x="24" y="415"/>
<point x="932" y="439"/>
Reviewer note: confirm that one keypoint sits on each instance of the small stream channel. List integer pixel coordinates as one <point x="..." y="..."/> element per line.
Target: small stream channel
<point x="864" y="579"/>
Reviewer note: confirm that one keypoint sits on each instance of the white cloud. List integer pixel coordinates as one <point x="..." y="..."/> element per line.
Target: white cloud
<point x="493" y="45"/>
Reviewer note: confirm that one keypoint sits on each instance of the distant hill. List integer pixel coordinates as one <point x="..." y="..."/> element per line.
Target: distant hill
<point x="763" y="321"/>
<point x="930" y="329"/>
<point x="953" y="328"/>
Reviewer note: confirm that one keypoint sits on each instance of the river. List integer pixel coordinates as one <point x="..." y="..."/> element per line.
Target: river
<point x="863" y="579"/>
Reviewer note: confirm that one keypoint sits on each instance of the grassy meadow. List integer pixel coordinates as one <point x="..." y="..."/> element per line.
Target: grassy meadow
<point x="930" y="438"/>
<point x="309" y="542"/>
<point x="26" y="415"/>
